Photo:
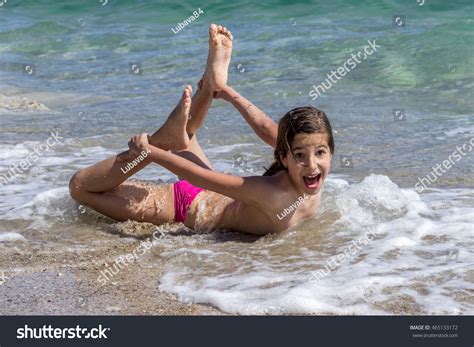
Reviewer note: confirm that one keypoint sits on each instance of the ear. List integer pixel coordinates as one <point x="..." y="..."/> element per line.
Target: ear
<point x="284" y="160"/>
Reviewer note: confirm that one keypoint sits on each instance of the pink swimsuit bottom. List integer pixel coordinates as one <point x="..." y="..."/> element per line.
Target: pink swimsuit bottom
<point x="184" y="195"/>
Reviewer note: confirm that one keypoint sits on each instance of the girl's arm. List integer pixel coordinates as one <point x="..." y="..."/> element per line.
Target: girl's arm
<point x="263" y="125"/>
<point x="246" y="189"/>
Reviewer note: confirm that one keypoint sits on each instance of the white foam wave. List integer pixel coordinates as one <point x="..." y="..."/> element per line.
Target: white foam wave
<point x="11" y="236"/>
<point x="20" y="103"/>
<point x="418" y="263"/>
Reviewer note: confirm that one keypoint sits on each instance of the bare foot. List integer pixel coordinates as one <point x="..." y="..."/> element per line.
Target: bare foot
<point x="218" y="59"/>
<point x="172" y="135"/>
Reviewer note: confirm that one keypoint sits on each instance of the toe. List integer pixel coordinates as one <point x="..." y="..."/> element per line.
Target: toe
<point x="187" y="93"/>
<point x="219" y="28"/>
<point x="186" y="105"/>
<point x="213" y="30"/>
<point x="228" y="34"/>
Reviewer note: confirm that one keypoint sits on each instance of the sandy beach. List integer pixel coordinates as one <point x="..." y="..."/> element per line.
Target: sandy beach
<point x="64" y="282"/>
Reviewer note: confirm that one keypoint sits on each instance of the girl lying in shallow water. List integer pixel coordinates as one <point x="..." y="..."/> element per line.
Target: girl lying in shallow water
<point x="205" y="200"/>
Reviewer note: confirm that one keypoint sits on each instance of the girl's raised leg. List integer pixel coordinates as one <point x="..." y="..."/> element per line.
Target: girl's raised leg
<point x="214" y="80"/>
<point x="102" y="186"/>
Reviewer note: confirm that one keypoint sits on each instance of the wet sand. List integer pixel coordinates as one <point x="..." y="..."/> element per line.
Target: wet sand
<point x="42" y="278"/>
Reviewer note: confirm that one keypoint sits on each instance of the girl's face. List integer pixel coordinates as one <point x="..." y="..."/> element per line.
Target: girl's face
<point x="309" y="162"/>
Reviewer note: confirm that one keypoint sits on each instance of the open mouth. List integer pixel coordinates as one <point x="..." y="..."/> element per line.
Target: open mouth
<point x="313" y="181"/>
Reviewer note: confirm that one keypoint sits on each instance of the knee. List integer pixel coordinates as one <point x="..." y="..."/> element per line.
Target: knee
<point x="76" y="188"/>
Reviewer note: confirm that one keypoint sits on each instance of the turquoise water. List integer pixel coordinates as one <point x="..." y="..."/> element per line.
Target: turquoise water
<point x="80" y="54"/>
<point x="281" y="50"/>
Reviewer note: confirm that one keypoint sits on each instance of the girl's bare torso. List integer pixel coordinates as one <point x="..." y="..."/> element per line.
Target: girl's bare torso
<point x="212" y="211"/>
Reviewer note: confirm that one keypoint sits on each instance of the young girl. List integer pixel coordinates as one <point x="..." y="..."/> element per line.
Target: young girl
<point x="203" y="199"/>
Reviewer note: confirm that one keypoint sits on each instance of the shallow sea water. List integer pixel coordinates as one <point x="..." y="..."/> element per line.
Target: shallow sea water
<point x="82" y="87"/>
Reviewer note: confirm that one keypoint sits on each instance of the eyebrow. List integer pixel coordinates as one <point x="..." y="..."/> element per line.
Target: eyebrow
<point x="324" y="146"/>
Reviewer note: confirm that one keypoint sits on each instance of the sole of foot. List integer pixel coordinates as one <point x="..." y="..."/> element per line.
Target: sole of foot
<point x="218" y="59"/>
<point x="172" y="135"/>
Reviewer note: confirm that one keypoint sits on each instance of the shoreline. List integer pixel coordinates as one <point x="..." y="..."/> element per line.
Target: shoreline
<point x="58" y="281"/>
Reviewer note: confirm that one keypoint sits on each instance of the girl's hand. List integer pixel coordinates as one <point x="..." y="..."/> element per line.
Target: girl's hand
<point x="139" y="143"/>
<point x="136" y="146"/>
<point x="216" y="95"/>
<point x="222" y="94"/>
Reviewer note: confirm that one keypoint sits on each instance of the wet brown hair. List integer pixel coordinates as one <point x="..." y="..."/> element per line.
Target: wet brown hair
<point x="300" y="120"/>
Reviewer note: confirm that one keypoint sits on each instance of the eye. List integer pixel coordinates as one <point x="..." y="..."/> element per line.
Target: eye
<point x="298" y="155"/>
<point x="321" y="152"/>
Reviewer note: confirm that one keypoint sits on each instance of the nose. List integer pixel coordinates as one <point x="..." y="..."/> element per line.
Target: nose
<point x="313" y="162"/>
